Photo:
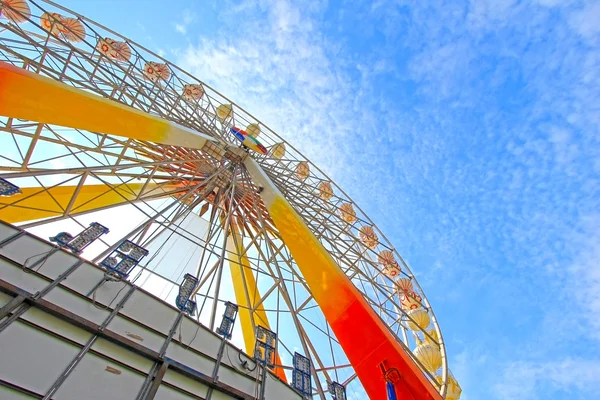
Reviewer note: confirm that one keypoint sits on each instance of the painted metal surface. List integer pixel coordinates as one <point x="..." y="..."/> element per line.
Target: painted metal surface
<point x="97" y="69"/>
<point x="340" y="301"/>
<point x="67" y="106"/>
<point x="37" y="347"/>
<point x="242" y="277"/>
<point x="35" y="203"/>
<point x="342" y="304"/>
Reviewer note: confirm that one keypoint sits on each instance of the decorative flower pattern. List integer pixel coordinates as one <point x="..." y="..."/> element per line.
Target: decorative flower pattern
<point x="368" y="237"/>
<point x="16" y="11"/>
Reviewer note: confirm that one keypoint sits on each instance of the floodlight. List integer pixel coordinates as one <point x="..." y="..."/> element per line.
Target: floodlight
<point x="124" y="258"/>
<point x="62" y="238"/>
<point x="265" y="347"/>
<point x="226" y="327"/>
<point x="8" y="189"/>
<point x="301" y="375"/>
<point x="185" y="292"/>
<point x="337" y="390"/>
<point x="85" y="238"/>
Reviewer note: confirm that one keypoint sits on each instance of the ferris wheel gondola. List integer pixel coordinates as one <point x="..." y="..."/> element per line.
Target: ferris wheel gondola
<point x="279" y="239"/>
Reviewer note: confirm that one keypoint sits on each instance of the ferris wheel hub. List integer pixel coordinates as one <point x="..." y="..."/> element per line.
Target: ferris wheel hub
<point x="139" y="136"/>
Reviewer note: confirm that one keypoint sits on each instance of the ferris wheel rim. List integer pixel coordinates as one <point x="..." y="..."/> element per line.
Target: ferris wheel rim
<point x="277" y="136"/>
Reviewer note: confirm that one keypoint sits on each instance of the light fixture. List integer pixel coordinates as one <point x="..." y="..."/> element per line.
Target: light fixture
<point x="62" y="238"/>
<point x="266" y="344"/>
<point x="124" y="258"/>
<point x="226" y="327"/>
<point x="190" y="307"/>
<point x="338" y="391"/>
<point x="301" y="375"/>
<point x="78" y="243"/>
<point x="8" y="189"/>
<point x="186" y="288"/>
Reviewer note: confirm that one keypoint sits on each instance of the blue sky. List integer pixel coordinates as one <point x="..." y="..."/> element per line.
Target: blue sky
<point x="467" y="130"/>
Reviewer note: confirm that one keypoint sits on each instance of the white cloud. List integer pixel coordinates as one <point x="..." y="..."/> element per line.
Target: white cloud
<point x="585" y="21"/>
<point x="529" y="381"/>
<point x="553" y="3"/>
<point x="187" y="19"/>
<point x="583" y="284"/>
<point x="510" y="210"/>
<point x="284" y="71"/>
<point x="483" y="12"/>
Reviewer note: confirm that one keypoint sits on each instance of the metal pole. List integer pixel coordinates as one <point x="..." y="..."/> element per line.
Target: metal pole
<point x="223" y="250"/>
<point x="65" y="374"/>
<point x="153" y="375"/>
<point x="215" y="376"/>
<point x="157" y="381"/>
<point x="263" y="383"/>
<point x="143" y="226"/>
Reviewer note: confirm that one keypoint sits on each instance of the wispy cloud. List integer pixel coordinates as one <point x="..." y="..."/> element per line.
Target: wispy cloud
<point x="526" y="186"/>
<point x="574" y="378"/>
<point x="583" y="283"/>
<point x="585" y="20"/>
<point x="187" y="19"/>
<point x="284" y="71"/>
<point x="469" y="132"/>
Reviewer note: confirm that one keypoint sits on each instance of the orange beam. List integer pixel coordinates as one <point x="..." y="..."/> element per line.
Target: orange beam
<point x="365" y="338"/>
<point x="36" y="203"/>
<point x="26" y="95"/>
<point x="242" y="277"/>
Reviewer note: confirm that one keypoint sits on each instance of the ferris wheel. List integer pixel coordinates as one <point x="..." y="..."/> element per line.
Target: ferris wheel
<point x="95" y="127"/>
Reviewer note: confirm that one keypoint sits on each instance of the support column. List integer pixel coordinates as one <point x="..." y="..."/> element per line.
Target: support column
<point x="18" y="307"/>
<point x="65" y="374"/>
<point x="341" y="302"/>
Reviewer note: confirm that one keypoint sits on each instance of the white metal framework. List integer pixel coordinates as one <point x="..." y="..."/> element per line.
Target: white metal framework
<point x="167" y="189"/>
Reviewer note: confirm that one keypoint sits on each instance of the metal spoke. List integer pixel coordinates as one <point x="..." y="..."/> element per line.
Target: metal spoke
<point x="211" y="181"/>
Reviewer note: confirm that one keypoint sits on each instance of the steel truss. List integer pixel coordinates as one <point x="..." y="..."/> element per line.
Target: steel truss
<point x="187" y="182"/>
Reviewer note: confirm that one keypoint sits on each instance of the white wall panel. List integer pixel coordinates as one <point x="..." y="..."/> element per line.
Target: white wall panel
<point x="110" y="293"/>
<point x="76" y="304"/>
<point x="241" y="382"/>
<point x="96" y="378"/>
<point x="11" y="394"/>
<point x="25" y="248"/>
<point x="31" y="358"/>
<point x="55" y="325"/>
<point x="231" y="358"/>
<point x="185" y="383"/>
<point x="15" y="276"/>
<point x="31" y="248"/>
<point x="6" y="231"/>
<point x="278" y="390"/>
<point x="84" y="278"/>
<point x="137" y="333"/>
<point x="205" y="341"/>
<point x="190" y="359"/>
<point x="126" y="357"/>
<point x="150" y="311"/>
<point x="56" y="264"/>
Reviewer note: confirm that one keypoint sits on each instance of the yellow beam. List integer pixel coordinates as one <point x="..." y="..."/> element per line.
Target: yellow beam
<point x="366" y="340"/>
<point x="36" y="203"/>
<point x="242" y="277"/>
<point x="29" y="96"/>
